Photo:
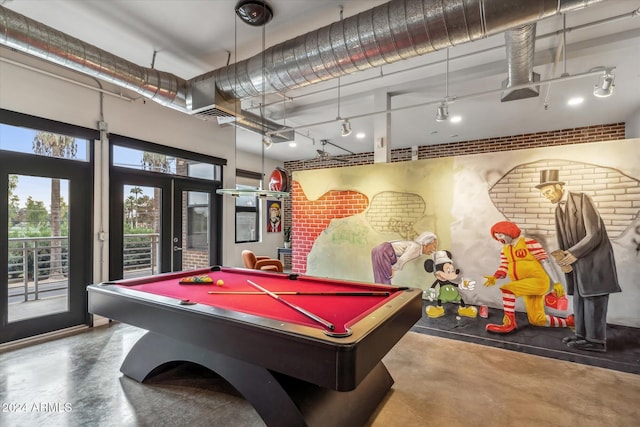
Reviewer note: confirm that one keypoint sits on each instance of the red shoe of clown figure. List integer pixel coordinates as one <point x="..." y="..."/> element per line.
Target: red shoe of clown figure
<point x="508" y="324"/>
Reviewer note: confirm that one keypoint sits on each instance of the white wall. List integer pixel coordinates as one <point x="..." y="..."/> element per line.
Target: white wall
<point x="632" y="125"/>
<point x="26" y="91"/>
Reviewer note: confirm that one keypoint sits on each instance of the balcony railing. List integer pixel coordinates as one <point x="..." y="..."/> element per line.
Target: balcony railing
<point x="39" y="266"/>
<point x="140" y="254"/>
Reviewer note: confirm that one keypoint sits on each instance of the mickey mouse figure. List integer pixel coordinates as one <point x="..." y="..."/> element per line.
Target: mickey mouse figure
<point x="444" y="290"/>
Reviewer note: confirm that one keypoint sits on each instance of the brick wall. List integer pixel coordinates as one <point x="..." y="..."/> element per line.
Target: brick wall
<point x="392" y="211"/>
<point x="310" y="217"/>
<point x="607" y="132"/>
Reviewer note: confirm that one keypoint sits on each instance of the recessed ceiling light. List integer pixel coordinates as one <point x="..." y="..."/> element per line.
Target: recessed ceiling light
<point x="575" y="101"/>
<point x="292" y="144"/>
<point x="361" y="135"/>
<point x="455" y="119"/>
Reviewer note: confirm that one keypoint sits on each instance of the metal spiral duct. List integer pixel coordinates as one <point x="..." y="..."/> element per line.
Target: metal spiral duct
<point x="393" y="31"/>
<point x="26" y="35"/>
<point x="397" y="30"/>
<point x="520" y="45"/>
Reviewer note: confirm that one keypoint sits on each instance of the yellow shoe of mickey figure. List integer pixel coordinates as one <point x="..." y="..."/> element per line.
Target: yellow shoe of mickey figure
<point x="469" y="311"/>
<point x="435" y="311"/>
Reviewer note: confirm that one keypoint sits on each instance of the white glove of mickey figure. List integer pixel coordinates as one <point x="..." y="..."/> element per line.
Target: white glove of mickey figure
<point x="467" y="285"/>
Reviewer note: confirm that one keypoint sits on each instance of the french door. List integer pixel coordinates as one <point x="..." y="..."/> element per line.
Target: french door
<point x="46" y="243"/>
<point x="161" y="223"/>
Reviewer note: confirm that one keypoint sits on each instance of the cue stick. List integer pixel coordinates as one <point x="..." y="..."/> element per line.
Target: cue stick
<point x="301" y="310"/>
<point x="352" y="294"/>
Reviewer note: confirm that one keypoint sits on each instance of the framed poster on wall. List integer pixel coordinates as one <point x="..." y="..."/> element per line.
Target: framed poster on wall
<point x="274" y="216"/>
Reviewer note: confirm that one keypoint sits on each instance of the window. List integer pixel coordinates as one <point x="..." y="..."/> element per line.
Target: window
<point x="156" y="161"/>
<point x="197" y="221"/>
<point x="43" y="143"/>
<point x="247" y="207"/>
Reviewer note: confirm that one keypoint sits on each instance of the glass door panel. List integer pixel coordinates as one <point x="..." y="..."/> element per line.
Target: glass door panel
<point x="38" y="247"/>
<point x="142" y="219"/>
<point x="196" y="208"/>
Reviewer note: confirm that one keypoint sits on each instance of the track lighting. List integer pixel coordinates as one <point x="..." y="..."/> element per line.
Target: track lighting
<point x="442" y="114"/>
<point x="346" y="128"/>
<point x="604" y="87"/>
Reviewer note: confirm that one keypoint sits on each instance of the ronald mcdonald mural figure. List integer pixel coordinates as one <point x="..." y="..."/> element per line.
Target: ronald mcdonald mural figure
<point x="525" y="262"/>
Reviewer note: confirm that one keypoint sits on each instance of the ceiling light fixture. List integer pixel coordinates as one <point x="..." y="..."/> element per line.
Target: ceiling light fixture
<point x="254" y="12"/>
<point x="455" y="119"/>
<point x="346" y="128"/>
<point x="604" y="87"/>
<point x="267" y="141"/>
<point x="575" y="101"/>
<point x="442" y="114"/>
<point x="361" y="135"/>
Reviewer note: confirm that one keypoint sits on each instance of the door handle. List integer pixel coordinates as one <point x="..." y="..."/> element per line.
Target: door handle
<point x="176" y="248"/>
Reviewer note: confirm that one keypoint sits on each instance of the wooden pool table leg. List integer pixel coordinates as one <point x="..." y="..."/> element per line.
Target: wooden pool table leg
<point x="255" y="383"/>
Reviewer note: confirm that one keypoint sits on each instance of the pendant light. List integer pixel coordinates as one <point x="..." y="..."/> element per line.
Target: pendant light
<point x="266" y="140"/>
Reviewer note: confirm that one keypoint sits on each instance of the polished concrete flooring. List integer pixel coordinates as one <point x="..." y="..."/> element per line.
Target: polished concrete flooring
<point x="75" y="381"/>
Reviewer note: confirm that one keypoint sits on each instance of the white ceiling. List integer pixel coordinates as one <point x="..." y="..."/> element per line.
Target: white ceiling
<point x="191" y="37"/>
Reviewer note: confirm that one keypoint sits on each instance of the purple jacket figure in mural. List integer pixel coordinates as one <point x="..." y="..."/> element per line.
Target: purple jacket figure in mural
<point x="389" y="257"/>
<point x="586" y="259"/>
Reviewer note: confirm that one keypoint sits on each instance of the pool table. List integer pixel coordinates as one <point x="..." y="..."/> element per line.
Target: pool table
<point x="302" y="350"/>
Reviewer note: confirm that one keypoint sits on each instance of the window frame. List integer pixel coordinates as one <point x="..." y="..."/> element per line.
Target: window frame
<point x="240" y="173"/>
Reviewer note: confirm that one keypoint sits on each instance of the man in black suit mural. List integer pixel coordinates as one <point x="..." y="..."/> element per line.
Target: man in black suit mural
<point x="586" y="259"/>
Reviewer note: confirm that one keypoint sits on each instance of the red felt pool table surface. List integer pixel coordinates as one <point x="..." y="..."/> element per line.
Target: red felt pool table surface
<point x="340" y="310"/>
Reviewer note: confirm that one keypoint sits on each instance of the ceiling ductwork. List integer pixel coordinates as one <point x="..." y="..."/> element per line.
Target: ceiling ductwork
<point x="520" y="44"/>
<point x="205" y="101"/>
<point x="26" y="35"/>
<point x="388" y="33"/>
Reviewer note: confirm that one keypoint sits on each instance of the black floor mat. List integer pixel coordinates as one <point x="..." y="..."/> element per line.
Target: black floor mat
<point x="623" y="343"/>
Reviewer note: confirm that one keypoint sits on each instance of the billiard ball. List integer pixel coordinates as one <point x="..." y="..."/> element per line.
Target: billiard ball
<point x="220" y="282"/>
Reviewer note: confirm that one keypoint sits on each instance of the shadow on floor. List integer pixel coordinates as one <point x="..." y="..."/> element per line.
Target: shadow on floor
<point x="623" y="343"/>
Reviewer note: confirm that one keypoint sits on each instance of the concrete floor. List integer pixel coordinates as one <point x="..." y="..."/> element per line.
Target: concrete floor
<point x="75" y="381"/>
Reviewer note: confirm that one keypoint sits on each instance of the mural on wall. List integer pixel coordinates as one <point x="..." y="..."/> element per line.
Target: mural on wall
<point x="459" y="200"/>
<point x="444" y="289"/>
<point x="526" y="265"/>
<point x="389" y="257"/>
<point x="312" y="217"/>
<point x="392" y="211"/>
<point x="587" y="260"/>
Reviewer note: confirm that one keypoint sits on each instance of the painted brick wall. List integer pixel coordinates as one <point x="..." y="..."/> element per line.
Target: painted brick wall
<point x="606" y="132"/>
<point x="613" y="193"/>
<point x="310" y="217"/>
<point x="392" y="211"/>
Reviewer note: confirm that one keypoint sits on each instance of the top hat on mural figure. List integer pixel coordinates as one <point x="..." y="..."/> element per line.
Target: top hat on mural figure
<point x="549" y="177"/>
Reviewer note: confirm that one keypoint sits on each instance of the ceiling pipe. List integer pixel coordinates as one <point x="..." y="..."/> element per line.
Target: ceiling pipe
<point x="388" y="33"/>
<point x="561" y="33"/>
<point x="520" y="44"/>
<point x="398" y="30"/>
